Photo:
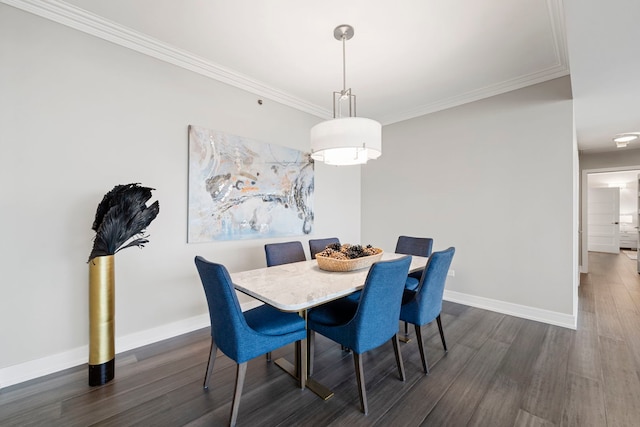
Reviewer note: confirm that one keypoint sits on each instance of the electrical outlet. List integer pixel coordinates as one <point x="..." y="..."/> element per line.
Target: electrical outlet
<point x="451" y="273"/>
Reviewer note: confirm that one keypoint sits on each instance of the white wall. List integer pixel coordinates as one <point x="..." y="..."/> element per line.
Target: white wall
<point x="494" y="178"/>
<point x="79" y="115"/>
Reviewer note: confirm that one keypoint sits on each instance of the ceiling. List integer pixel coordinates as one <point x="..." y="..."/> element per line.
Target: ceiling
<point x="406" y="59"/>
<point x="605" y="63"/>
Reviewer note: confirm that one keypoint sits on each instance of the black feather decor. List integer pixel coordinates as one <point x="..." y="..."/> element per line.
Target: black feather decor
<point x="121" y="219"/>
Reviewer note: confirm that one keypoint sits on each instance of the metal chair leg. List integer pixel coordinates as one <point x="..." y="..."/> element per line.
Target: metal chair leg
<point x="297" y="363"/>
<point x="357" y="360"/>
<point x="212" y="358"/>
<point x="241" y="373"/>
<point x="444" y="344"/>
<point x="268" y="357"/>
<point x="421" y="348"/>
<point x="311" y="345"/>
<point x="396" y="350"/>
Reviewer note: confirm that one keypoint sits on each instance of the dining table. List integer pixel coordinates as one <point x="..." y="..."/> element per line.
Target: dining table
<point x="300" y="286"/>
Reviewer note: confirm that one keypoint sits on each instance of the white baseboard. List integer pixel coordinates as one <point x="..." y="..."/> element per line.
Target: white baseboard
<point x="78" y="356"/>
<point x="525" y="312"/>
<point x="47" y="365"/>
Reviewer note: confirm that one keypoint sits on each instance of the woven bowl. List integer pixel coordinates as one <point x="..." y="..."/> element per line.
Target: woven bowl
<point x="332" y="264"/>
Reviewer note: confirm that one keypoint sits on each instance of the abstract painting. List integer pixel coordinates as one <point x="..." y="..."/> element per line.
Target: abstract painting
<point x="245" y="189"/>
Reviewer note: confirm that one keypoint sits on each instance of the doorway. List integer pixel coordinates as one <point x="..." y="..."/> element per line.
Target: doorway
<point x="624" y="178"/>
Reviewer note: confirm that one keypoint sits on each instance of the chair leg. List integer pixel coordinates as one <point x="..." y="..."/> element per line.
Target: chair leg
<point x="298" y="347"/>
<point x="357" y="360"/>
<point x="241" y="373"/>
<point x="396" y="350"/>
<point x="303" y="359"/>
<point x="212" y="358"/>
<point x="444" y="344"/>
<point x="311" y="345"/>
<point x="268" y="357"/>
<point x="421" y="348"/>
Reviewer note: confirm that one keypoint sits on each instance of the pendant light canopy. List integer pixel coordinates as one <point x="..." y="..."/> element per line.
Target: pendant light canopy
<point x="623" y="139"/>
<point x="345" y="140"/>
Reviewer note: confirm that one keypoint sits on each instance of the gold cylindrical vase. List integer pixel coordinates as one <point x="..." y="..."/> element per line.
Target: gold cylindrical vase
<point x="101" y="320"/>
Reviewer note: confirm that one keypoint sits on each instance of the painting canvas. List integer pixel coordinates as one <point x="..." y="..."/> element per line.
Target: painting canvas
<point x="245" y="189"/>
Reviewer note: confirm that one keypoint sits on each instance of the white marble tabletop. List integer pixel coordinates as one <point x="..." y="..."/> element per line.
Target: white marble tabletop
<point x="302" y="285"/>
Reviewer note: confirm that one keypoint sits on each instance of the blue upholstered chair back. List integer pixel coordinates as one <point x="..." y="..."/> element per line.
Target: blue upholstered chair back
<point x="428" y="296"/>
<point x="318" y="245"/>
<point x="284" y="253"/>
<point x="229" y="328"/>
<point x="376" y="320"/>
<point x="420" y="246"/>
<point x="228" y="325"/>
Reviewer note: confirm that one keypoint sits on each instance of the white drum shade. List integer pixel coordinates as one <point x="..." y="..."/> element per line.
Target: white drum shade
<point x="346" y="141"/>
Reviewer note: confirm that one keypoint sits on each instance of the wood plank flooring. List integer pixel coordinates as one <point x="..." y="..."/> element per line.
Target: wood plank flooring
<point x="500" y="371"/>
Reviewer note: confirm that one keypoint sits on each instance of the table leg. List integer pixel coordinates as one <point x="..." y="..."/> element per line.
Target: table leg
<point x="405" y="338"/>
<point x="300" y="370"/>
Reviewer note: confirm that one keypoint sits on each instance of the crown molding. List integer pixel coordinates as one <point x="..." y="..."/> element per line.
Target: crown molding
<point x="476" y="95"/>
<point x="79" y="19"/>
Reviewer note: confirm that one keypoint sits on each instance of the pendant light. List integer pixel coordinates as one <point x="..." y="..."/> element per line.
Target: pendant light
<point x="346" y="139"/>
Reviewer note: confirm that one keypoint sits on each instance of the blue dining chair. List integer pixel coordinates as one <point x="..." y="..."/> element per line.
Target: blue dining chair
<point x="419" y="246"/>
<point x="423" y="305"/>
<point x="368" y="323"/>
<point x="242" y="336"/>
<point x="319" y="245"/>
<point x="284" y="253"/>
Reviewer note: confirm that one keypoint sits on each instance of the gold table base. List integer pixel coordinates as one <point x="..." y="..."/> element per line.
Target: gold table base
<point x="322" y="391"/>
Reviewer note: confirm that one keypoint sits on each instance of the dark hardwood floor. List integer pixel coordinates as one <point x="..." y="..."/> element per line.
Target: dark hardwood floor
<point x="500" y="371"/>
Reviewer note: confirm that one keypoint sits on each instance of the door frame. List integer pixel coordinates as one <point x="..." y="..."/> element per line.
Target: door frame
<point x="583" y="229"/>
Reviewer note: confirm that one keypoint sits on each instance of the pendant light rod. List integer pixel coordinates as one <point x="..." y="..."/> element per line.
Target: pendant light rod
<point x="343" y="33"/>
<point x="347" y="140"/>
<point x="344" y="64"/>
